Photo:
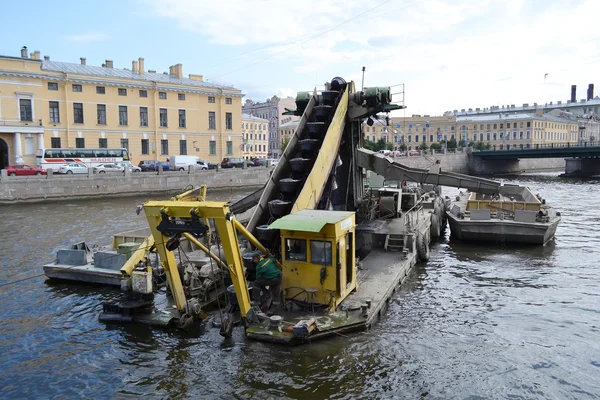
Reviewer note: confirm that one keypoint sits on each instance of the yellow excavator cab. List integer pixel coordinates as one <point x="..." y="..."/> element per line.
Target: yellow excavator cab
<point x="318" y="259"/>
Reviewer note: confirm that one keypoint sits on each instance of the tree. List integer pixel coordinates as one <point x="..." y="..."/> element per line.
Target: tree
<point x="479" y="146"/>
<point x="423" y="146"/>
<point x="402" y="147"/>
<point x="381" y="144"/>
<point x="451" y="144"/>
<point x="435" y="146"/>
<point x="284" y="142"/>
<point x="461" y="143"/>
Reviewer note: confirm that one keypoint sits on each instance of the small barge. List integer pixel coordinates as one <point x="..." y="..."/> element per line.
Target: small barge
<point x="513" y="215"/>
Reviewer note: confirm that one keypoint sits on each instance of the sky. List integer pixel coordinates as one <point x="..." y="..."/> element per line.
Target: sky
<point x="438" y="55"/>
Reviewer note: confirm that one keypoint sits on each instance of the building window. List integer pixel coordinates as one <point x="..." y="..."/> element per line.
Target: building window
<point x="101" y="90"/>
<point x="122" y="92"/>
<point x="529" y="124"/>
<point x="229" y="147"/>
<point x="52" y="86"/>
<point x="103" y="143"/>
<point x="143" y="116"/>
<point x="78" y="113"/>
<point x="183" y="147"/>
<point x="182" y="118"/>
<point x="125" y="144"/>
<point x="54" y="114"/>
<point x="122" y="115"/>
<point x="164" y="147"/>
<point x="164" y="122"/>
<point x="228" y="121"/>
<point x="162" y="95"/>
<point x="77" y="88"/>
<point x="212" y="146"/>
<point x="211" y="99"/>
<point x="212" y="120"/>
<point x="80" y="143"/>
<point x="143" y="93"/>
<point x="145" y="147"/>
<point x="180" y="96"/>
<point x="515" y="125"/>
<point x="320" y="252"/>
<point x="26" y="110"/>
<point x="228" y="100"/>
<point x="101" y="114"/>
<point x="55" y="143"/>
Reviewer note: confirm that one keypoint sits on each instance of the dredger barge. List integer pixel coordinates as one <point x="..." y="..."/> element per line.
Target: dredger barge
<point x="342" y="250"/>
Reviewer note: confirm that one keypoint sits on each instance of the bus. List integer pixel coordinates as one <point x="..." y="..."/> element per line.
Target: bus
<point x="54" y="158"/>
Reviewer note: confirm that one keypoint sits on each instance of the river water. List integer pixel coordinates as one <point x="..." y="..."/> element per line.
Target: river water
<point x="475" y="322"/>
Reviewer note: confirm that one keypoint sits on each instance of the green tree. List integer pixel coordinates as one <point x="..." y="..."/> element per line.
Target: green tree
<point x="423" y="146"/>
<point x="402" y="147"/>
<point x="435" y="146"/>
<point x="284" y="143"/>
<point x="461" y="143"/>
<point x="451" y="144"/>
<point x="479" y="146"/>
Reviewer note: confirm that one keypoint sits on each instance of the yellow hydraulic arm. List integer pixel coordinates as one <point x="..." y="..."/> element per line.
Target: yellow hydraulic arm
<point x="182" y="210"/>
<point x="147" y="244"/>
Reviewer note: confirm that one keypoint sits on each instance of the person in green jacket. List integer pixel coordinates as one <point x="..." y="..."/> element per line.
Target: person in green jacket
<point x="267" y="274"/>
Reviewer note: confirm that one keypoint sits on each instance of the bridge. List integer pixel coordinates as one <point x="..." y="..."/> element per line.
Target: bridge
<point x="581" y="159"/>
<point x="549" y="150"/>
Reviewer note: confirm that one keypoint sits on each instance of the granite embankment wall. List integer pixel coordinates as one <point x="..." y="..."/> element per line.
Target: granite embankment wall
<point x="465" y="164"/>
<point x="38" y="189"/>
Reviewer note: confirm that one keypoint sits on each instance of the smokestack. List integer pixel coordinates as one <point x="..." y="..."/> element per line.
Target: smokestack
<point x="46" y="58"/>
<point x="35" y="55"/>
<point x="24" y="52"/>
<point x="590" y="92"/>
<point x="573" y="93"/>
<point x="141" y="61"/>
<point x="83" y="61"/>
<point x="108" y="63"/>
<point x="134" y="66"/>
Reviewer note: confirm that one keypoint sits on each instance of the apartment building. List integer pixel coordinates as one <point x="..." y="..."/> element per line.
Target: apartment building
<point x="499" y="130"/>
<point x="255" y="141"/>
<point x="272" y="110"/>
<point x="50" y="104"/>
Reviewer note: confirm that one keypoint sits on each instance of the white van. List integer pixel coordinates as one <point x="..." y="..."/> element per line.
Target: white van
<point x="182" y="163"/>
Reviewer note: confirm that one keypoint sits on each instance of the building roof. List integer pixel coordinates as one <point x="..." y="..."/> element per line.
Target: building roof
<point x="309" y="220"/>
<point x="526" y="107"/>
<point x="92" y="70"/>
<point x="291" y="124"/>
<point x="500" y="117"/>
<point x="249" y="117"/>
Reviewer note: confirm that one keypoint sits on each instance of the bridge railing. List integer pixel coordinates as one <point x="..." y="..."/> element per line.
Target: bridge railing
<point x="539" y="146"/>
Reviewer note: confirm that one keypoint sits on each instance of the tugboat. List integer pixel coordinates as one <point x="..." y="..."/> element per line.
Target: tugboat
<point x="513" y="215"/>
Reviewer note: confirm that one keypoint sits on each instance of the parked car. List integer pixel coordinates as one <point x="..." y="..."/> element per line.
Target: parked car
<point x="152" y="166"/>
<point x="232" y="162"/>
<point x="413" y="153"/>
<point x="104" y="168"/>
<point x="201" y="165"/>
<point x="127" y="164"/>
<point x="257" y="162"/>
<point x="73" y="168"/>
<point x="273" y="161"/>
<point x="182" y="163"/>
<point x="208" y="164"/>
<point x="386" y="152"/>
<point x="23" y="170"/>
<point x="398" y="153"/>
<point x="144" y="165"/>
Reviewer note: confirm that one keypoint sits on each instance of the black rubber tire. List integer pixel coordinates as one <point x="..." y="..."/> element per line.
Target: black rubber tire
<point x="70" y="172"/>
<point x="13" y="174"/>
<point x="204" y="169"/>
<point x="101" y="172"/>
<point x="423" y="248"/>
<point x="38" y="173"/>
<point x="436" y="227"/>
<point x="182" y="169"/>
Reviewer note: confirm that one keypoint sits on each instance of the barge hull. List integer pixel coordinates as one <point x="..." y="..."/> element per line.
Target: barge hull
<point x="501" y="231"/>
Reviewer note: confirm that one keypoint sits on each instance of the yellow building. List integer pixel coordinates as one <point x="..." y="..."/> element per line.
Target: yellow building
<point x="286" y="130"/>
<point x="499" y="130"/>
<point x="255" y="137"/>
<point x="49" y="104"/>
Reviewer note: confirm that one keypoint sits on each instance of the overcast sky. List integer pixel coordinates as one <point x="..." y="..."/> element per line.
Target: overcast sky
<point x="450" y="54"/>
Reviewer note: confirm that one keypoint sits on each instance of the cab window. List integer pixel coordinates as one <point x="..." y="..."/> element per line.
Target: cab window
<point x="295" y="249"/>
<point x="320" y="252"/>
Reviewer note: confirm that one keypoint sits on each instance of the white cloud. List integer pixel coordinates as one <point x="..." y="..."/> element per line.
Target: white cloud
<point x="86" y="37"/>
<point x="449" y="53"/>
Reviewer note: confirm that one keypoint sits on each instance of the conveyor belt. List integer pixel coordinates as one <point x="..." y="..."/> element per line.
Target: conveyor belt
<point x="391" y="169"/>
